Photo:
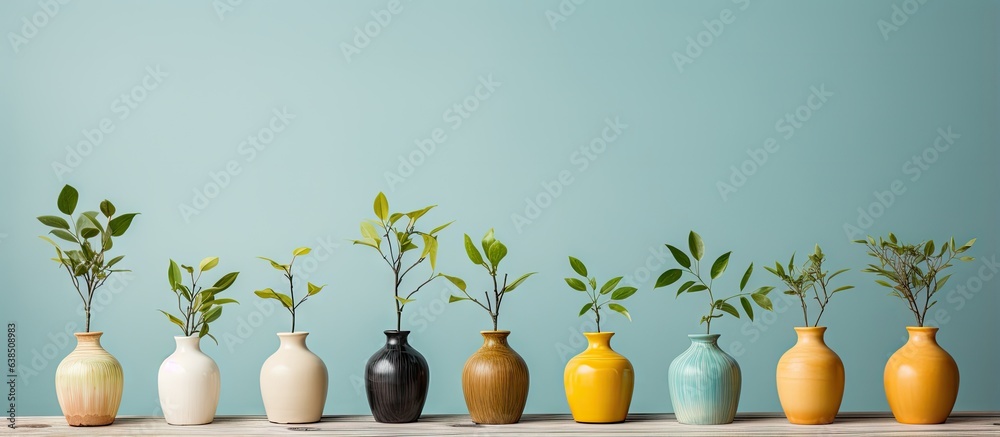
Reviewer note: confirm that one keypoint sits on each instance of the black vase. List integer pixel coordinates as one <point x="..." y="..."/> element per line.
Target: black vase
<point x="396" y="380"/>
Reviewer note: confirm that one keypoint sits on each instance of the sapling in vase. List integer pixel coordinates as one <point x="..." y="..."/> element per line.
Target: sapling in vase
<point x="293" y="381"/>
<point x="599" y="381"/>
<point x="89" y="380"/>
<point x="810" y="376"/>
<point x="921" y="378"/>
<point x="495" y="378"/>
<point x="188" y="380"/>
<point x="704" y="381"/>
<point x="398" y="396"/>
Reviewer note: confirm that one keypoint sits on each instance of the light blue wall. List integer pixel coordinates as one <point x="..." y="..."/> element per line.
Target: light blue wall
<point x="686" y="128"/>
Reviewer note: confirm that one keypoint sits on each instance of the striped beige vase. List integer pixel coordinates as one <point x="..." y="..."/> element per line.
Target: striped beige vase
<point x="89" y="383"/>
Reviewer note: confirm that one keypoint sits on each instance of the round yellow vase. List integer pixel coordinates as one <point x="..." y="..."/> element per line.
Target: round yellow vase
<point x="89" y="383"/>
<point x="921" y="379"/>
<point x="810" y="379"/>
<point x="599" y="382"/>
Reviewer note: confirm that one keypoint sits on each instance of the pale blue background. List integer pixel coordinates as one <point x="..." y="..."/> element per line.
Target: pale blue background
<point x="658" y="180"/>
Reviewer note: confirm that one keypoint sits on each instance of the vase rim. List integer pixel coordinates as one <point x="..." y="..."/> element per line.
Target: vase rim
<point x="293" y="334"/>
<point x="393" y="331"/>
<point x="599" y="334"/>
<point x="499" y="331"/>
<point x="182" y="337"/>
<point x="922" y="328"/>
<point x="810" y="328"/>
<point x="704" y="336"/>
<point x="88" y="334"/>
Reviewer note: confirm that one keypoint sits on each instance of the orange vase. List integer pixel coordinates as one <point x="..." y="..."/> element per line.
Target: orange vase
<point x="810" y="379"/>
<point x="921" y="379"/>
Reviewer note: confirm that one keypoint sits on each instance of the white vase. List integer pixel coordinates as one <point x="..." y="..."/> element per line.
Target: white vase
<point x="293" y="382"/>
<point x="189" y="384"/>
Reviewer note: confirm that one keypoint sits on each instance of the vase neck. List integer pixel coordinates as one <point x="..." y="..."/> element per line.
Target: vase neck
<point x="89" y="340"/>
<point x="922" y="334"/>
<point x="598" y="340"/>
<point x="810" y="335"/>
<point x="292" y="340"/>
<point x="704" y="340"/>
<point x="187" y="344"/>
<point x="397" y="338"/>
<point x="493" y="339"/>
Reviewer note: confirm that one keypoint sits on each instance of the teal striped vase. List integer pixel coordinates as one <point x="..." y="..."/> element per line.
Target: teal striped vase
<point x="704" y="383"/>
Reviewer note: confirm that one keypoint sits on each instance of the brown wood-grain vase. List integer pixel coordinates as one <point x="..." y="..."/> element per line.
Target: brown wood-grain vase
<point x="495" y="381"/>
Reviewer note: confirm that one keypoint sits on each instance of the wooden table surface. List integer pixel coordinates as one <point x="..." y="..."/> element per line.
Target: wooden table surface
<point x="966" y="424"/>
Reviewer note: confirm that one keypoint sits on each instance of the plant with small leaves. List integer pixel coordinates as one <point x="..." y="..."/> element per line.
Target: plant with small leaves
<point x="495" y="252"/>
<point x="697" y="248"/>
<point x="198" y="307"/>
<point x="608" y="290"/>
<point x="288" y="300"/>
<point x="398" y="242"/>
<point x="810" y="276"/>
<point x="86" y="264"/>
<point x="913" y="269"/>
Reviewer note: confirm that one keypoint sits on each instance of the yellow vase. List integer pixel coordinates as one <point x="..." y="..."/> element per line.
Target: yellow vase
<point x="810" y="379"/>
<point x="599" y="382"/>
<point x="921" y="379"/>
<point x="89" y="383"/>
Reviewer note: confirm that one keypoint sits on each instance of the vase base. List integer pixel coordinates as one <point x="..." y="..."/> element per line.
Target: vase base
<point x="189" y="423"/>
<point x="90" y="420"/>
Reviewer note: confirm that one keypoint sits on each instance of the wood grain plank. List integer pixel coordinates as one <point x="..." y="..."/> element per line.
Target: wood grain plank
<point x="869" y="424"/>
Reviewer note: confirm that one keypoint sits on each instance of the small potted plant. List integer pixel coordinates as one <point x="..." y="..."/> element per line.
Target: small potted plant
<point x="599" y="381"/>
<point x="293" y="381"/>
<point x="495" y="378"/>
<point x="188" y="380"/>
<point x="704" y="381"/>
<point x="89" y="380"/>
<point x="810" y="375"/>
<point x="921" y="378"/>
<point x="397" y="376"/>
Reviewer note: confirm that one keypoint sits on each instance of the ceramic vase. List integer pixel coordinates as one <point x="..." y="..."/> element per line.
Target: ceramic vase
<point x="293" y="382"/>
<point x="810" y="379"/>
<point x="188" y="384"/>
<point x="89" y="383"/>
<point x="495" y="381"/>
<point x="921" y="379"/>
<point x="396" y="380"/>
<point x="599" y="382"/>
<point x="704" y="383"/>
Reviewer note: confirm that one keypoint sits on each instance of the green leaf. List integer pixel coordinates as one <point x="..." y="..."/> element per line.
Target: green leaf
<point x="623" y="293"/>
<point x="430" y="249"/>
<point x="91" y="217"/>
<point x="620" y="309"/>
<point x="846" y="287"/>
<point x="211" y="316"/>
<point x="746" y="277"/>
<point x="313" y="288"/>
<point x="459" y="283"/>
<point x="696" y="288"/>
<point x="224" y="301"/>
<point x="368" y="242"/>
<point x="107" y="208"/>
<point x="965" y="258"/>
<point x="578" y="266"/>
<point x="576" y="284"/>
<point x="720" y="264"/>
<point x="301" y="251"/>
<point x="89" y="233"/>
<point x="586" y="308"/>
<point x="382" y="207"/>
<point x="115" y="260"/>
<point x="518" y="281"/>
<point x="67" y="199"/>
<point x="729" y="308"/>
<point x="173" y="275"/>
<point x="487" y="241"/>
<point x="226" y="281"/>
<point x="746" y="307"/>
<point x="496" y="253"/>
<point x="884" y="284"/>
<point x="453" y="298"/>
<point x="120" y="224"/>
<point x="403" y="300"/>
<point x="680" y="257"/>
<point x="696" y="245"/>
<point x="834" y="275"/>
<point x="172" y="319"/>
<point x="668" y="277"/>
<point x="64" y="235"/>
<point x="414" y="215"/>
<point x="269" y="293"/>
<point x="440" y="228"/>
<point x="54" y="222"/>
<point x="472" y="251"/>
<point x="275" y="264"/>
<point x="929" y="248"/>
<point x="763" y="301"/>
<point x="593" y="283"/>
<point x="610" y="285"/>
<point x="208" y="263"/>
<point x="189" y="269"/>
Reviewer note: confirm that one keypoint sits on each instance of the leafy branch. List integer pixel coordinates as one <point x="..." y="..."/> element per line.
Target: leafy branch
<point x="614" y="295"/>
<point x="87" y="266"/>
<point x="202" y="307"/>
<point x="811" y="276"/>
<point x="495" y="252"/>
<point x="288" y="300"/>
<point x="698" y="284"/>
<point x="913" y="269"/>
<point x="374" y="232"/>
